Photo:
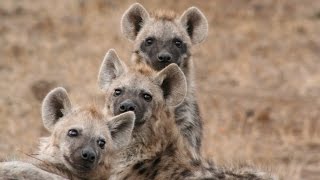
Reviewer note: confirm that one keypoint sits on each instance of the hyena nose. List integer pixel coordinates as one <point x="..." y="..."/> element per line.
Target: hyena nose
<point x="127" y="105"/>
<point x="164" y="57"/>
<point x="88" y="155"/>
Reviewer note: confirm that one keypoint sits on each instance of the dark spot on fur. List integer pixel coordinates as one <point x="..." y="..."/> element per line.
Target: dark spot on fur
<point x="141" y="171"/>
<point x="170" y="150"/>
<point x="185" y="173"/>
<point x="154" y="174"/>
<point x="140" y="167"/>
<point x="156" y="162"/>
<point x="196" y="163"/>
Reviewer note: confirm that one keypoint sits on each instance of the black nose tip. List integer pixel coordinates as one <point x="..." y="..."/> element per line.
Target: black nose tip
<point x="88" y="155"/>
<point x="127" y="105"/>
<point x="164" y="57"/>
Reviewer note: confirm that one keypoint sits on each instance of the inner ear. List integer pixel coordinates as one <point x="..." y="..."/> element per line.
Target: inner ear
<point x="58" y="108"/>
<point x="137" y="23"/>
<point x="173" y="84"/>
<point x="166" y="88"/>
<point x="192" y="22"/>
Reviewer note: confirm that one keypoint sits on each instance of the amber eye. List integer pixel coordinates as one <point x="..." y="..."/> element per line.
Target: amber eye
<point x="117" y="92"/>
<point x="149" y="41"/>
<point x="147" y="97"/>
<point x="73" y="133"/>
<point x="177" y="42"/>
<point x="101" y="143"/>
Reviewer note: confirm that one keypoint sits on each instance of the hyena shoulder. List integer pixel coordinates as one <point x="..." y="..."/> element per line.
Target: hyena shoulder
<point x="18" y="169"/>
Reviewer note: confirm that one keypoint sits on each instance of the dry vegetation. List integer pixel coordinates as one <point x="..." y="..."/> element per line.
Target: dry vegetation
<point x="258" y="73"/>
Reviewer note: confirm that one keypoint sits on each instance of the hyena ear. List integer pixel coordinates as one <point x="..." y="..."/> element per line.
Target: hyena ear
<point x="55" y="106"/>
<point x="110" y="69"/>
<point x="173" y="84"/>
<point x="121" y="127"/>
<point x="195" y="23"/>
<point x="133" y="20"/>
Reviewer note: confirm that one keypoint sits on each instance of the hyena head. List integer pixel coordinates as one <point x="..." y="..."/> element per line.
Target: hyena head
<point x="139" y="89"/>
<point x="163" y="38"/>
<point x="82" y="138"/>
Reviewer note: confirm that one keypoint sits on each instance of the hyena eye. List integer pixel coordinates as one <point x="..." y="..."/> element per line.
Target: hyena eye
<point x="117" y="92"/>
<point x="149" y="41"/>
<point x="101" y="143"/>
<point x="73" y="133"/>
<point x="147" y="97"/>
<point x="177" y="42"/>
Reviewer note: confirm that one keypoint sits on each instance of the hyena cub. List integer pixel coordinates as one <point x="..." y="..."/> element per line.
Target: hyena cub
<point x="157" y="149"/>
<point x="162" y="38"/>
<point x="81" y="145"/>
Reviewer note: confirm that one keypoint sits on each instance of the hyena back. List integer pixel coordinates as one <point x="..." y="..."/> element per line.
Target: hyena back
<point x="162" y="38"/>
<point x="81" y="145"/>
<point x="157" y="149"/>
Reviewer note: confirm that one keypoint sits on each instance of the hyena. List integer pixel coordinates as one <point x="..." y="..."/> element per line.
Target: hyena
<point x="82" y="143"/>
<point x="162" y="38"/>
<point x="157" y="149"/>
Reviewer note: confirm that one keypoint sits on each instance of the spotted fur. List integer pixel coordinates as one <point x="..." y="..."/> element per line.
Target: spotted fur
<point x="161" y="38"/>
<point x="157" y="150"/>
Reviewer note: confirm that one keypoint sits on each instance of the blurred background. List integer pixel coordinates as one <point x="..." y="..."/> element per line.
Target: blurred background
<point x="258" y="74"/>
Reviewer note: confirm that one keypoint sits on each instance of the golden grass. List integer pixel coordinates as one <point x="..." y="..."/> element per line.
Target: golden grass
<point x="258" y="74"/>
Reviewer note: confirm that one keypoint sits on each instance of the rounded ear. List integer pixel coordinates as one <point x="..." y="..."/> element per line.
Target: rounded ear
<point x="121" y="127"/>
<point x="173" y="84"/>
<point x="195" y="23"/>
<point x="133" y="20"/>
<point x="110" y="69"/>
<point x="55" y="106"/>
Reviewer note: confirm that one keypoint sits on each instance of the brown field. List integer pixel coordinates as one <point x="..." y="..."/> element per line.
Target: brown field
<point x="258" y="74"/>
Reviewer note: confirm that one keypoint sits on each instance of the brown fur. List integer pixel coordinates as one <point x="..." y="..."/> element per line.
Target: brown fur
<point x="86" y="153"/>
<point x="165" y="15"/>
<point x="157" y="149"/>
<point x="164" y="28"/>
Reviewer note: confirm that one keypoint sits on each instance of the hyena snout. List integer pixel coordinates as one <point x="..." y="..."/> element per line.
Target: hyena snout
<point x="132" y="104"/>
<point x="164" y="56"/>
<point x="88" y="155"/>
<point x="127" y="105"/>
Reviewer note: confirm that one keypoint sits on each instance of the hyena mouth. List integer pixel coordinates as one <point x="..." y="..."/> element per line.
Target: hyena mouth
<point x="139" y="118"/>
<point x="160" y="65"/>
<point x="80" y="167"/>
<point x="139" y="122"/>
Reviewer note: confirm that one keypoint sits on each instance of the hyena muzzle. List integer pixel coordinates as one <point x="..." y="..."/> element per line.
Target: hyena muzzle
<point x="162" y="38"/>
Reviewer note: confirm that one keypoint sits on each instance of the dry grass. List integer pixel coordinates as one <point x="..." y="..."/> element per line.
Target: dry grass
<point x="258" y="73"/>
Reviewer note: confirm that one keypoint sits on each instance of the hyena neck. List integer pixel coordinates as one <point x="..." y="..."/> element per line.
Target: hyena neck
<point x="155" y="135"/>
<point x="162" y="146"/>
